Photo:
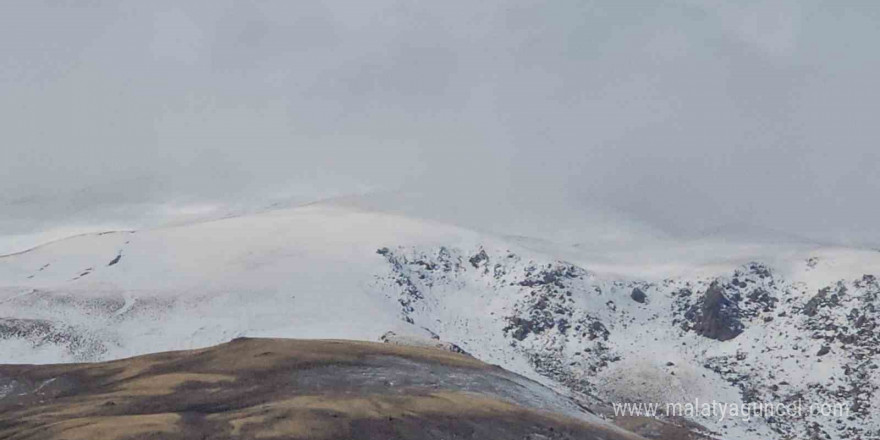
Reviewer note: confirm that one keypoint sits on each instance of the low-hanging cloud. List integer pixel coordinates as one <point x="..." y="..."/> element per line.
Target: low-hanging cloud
<point x="685" y="115"/>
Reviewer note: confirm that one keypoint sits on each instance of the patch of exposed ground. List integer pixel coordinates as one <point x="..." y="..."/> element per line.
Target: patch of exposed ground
<point x="290" y="389"/>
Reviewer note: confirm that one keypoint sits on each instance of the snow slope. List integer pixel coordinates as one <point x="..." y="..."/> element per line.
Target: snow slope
<point x="296" y="273"/>
<point x="604" y="324"/>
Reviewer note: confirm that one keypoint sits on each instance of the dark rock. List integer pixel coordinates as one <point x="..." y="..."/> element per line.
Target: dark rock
<point x="114" y="261"/>
<point x="479" y="259"/>
<point x="551" y="275"/>
<point x="598" y="330"/>
<point x="716" y="316"/>
<point x="537" y="323"/>
<point x="760" y="270"/>
<point x="824" y="350"/>
<point x="823" y="299"/>
<point x="638" y="295"/>
<point x="563" y="325"/>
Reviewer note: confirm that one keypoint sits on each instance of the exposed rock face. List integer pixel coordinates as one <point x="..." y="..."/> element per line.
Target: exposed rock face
<point x="717" y="316"/>
<point x="545" y="319"/>
<point x="284" y="389"/>
<point x="580" y="330"/>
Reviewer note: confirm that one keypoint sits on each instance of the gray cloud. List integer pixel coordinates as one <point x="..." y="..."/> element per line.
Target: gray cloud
<point x="687" y="115"/>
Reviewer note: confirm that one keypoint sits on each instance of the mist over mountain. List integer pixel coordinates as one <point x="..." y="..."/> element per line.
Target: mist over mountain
<point x="494" y="219"/>
<point x="679" y="116"/>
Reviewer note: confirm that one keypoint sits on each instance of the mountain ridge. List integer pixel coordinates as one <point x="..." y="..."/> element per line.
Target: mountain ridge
<point x="319" y="271"/>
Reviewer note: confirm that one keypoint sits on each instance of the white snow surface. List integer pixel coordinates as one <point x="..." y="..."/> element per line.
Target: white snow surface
<point x="317" y="272"/>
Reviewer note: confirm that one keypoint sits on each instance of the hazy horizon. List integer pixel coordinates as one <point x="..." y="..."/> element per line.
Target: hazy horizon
<point x="678" y="117"/>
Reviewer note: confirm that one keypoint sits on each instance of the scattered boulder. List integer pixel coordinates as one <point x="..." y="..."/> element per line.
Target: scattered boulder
<point x="639" y="296"/>
<point x="478" y="259"/>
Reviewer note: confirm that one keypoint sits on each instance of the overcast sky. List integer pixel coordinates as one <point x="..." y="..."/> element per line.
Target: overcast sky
<point x="688" y="116"/>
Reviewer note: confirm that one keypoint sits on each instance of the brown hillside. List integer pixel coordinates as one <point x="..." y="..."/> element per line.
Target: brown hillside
<point x="287" y="389"/>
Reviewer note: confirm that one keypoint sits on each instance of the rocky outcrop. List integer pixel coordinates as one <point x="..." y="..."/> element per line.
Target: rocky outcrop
<point x="580" y="330"/>
<point x="716" y="316"/>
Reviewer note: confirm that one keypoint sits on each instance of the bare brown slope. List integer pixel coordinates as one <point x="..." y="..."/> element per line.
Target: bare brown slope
<point x="284" y="389"/>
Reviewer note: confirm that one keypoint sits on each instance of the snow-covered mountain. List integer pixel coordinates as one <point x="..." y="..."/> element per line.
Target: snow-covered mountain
<point x="709" y="320"/>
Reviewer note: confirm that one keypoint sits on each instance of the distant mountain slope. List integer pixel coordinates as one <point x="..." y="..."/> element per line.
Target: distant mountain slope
<point x="295" y="273"/>
<point x="733" y="322"/>
<point x="282" y="389"/>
